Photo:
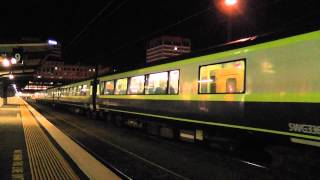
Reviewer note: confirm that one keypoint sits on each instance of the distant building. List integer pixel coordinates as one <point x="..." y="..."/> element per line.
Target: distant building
<point x="55" y="72"/>
<point x="58" y="70"/>
<point x="167" y="46"/>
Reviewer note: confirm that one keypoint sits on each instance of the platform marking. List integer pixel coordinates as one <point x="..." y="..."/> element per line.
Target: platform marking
<point x="93" y="168"/>
<point x="45" y="160"/>
<point x="17" y="172"/>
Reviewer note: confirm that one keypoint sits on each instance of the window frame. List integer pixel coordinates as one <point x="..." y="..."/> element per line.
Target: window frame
<point x="115" y="86"/>
<point x="224" y="62"/>
<point x="178" y="81"/>
<point x="144" y="84"/>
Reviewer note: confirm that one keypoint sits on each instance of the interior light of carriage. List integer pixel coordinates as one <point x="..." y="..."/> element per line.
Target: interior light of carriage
<point x="230" y="89"/>
<point x="238" y="65"/>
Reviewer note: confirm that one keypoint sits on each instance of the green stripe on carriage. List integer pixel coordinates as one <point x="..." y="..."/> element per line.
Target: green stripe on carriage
<point x="222" y="125"/>
<point x="258" y="97"/>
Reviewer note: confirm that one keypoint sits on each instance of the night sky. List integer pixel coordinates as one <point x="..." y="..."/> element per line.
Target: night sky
<point x="118" y="36"/>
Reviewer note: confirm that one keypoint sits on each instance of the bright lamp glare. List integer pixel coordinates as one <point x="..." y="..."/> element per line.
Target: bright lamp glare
<point x="52" y="42"/>
<point x="11" y="76"/>
<point x="230" y="2"/>
<point x="13" y="61"/>
<point x="6" y="62"/>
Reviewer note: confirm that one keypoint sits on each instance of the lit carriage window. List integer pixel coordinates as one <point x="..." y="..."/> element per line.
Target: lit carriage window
<point x="64" y="91"/>
<point x="121" y="86"/>
<point x="136" y="85"/>
<point x="108" y="88"/>
<point x="70" y="91"/>
<point x="84" y="90"/>
<point x="225" y="78"/>
<point x="173" y="82"/>
<point x="157" y="83"/>
<point x="78" y="91"/>
<point x="102" y="84"/>
<point x="75" y="90"/>
<point x="98" y="89"/>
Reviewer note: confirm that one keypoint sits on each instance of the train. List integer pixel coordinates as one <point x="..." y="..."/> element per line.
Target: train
<point x="259" y="89"/>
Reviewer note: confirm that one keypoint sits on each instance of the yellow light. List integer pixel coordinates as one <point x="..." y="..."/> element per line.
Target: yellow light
<point x="6" y="62"/>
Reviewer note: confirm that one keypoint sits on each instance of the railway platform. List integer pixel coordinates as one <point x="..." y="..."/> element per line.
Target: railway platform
<point x="33" y="148"/>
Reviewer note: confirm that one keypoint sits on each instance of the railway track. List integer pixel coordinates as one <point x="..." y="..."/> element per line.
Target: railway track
<point x="157" y="170"/>
<point x="173" y="175"/>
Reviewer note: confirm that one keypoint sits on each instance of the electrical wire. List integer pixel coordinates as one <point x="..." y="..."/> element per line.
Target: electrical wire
<point x="85" y="28"/>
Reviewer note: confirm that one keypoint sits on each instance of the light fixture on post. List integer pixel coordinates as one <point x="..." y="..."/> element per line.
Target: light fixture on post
<point x="230" y="8"/>
<point x="13" y="60"/>
<point x="52" y="42"/>
<point x="11" y="76"/>
<point x="5" y="62"/>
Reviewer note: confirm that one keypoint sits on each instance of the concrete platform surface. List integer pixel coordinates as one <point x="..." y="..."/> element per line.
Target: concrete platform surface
<point x="33" y="148"/>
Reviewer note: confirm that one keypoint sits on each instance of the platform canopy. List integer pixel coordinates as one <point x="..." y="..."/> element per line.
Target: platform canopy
<point x="20" y="60"/>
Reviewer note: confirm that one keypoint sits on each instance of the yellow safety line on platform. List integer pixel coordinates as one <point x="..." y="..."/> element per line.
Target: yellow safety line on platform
<point x="45" y="160"/>
<point x="93" y="168"/>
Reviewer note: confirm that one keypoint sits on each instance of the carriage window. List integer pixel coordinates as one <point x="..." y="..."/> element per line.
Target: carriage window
<point x="173" y="82"/>
<point x="74" y="90"/>
<point x="78" y="91"/>
<point x="108" y="88"/>
<point x="121" y="86"/>
<point x="70" y="91"/>
<point x="136" y="85"/>
<point x="157" y="83"/>
<point x="98" y="89"/>
<point x="64" y="92"/>
<point x="84" y="90"/>
<point x="102" y="84"/>
<point x="222" y="78"/>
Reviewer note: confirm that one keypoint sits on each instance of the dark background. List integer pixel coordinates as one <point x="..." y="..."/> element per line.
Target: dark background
<point x="118" y="35"/>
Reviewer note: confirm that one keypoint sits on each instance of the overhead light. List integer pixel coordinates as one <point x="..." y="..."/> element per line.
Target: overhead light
<point x="11" y="76"/>
<point x="6" y="62"/>
<point x="13" y="61"/>
<point x="230" y="2"/>
<point x="39" y="76"/>
<point x="52" y="42"/>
